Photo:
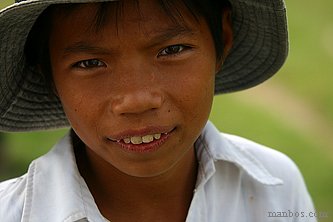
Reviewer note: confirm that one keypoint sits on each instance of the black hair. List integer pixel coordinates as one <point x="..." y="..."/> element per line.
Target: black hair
<point x="37" y="44"/>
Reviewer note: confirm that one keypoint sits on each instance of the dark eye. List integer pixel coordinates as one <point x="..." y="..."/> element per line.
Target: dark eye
<point x="171" y="50"/>
<point x="90" y="63"/>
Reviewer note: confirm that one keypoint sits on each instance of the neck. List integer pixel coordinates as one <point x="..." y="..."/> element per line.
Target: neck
<point x="119" y="195"/>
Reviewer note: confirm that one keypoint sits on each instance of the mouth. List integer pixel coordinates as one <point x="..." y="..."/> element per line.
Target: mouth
<point x="136" y="140"/>
<point x="140" y="142"/>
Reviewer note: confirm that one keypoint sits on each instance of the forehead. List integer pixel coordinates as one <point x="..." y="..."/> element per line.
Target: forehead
<point x="132" y="26"/>
<point x="98" y="15"/>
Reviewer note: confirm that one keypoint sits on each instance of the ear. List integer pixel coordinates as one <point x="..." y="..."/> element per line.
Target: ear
<point x="48" y="79"/>
<point x="227" y="35"/>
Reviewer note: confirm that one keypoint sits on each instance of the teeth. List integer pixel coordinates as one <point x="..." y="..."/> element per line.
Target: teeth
<point x="136" y="140"/>
<point x="148" y="138"/>
<point x="127" y="140"/>
<point x="144" y="139"/>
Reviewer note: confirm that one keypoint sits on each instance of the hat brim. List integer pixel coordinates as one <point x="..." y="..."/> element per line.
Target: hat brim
<point x="260" y="47"/>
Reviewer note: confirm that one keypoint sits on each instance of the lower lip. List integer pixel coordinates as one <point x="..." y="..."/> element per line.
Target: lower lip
<point x="144" y="147"/>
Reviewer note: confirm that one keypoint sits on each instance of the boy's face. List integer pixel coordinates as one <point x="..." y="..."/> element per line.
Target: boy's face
<point x="139" y="78"/>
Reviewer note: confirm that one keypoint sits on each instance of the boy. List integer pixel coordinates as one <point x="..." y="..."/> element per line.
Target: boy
<point x="135" y="79"/>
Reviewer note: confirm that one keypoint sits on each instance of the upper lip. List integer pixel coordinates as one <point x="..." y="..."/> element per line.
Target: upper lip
<point x="140" y="132"/>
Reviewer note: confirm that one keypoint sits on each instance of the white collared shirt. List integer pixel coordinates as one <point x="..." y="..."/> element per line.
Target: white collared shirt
<point x="238" y="181"/>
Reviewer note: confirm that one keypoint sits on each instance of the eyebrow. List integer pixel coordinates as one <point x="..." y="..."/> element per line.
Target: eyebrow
<point x="84" y="47"/>
<point x="177" y="31"/>
<point x="158" y="37"/>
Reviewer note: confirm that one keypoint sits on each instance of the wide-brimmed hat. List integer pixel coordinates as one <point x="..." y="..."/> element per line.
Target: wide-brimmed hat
<point x="260" y="47"/>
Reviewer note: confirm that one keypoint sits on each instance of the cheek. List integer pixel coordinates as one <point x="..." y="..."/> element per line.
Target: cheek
<point x="194" y="90"/>
<point x="199" y="103"/>
<point x="82" y="115"/>
<point x="79" y="104"/>
<point x="197" y="82"/>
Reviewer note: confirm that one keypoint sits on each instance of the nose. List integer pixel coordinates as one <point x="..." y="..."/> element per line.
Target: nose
<point x="139" y="88"/>
<point x="137" y="101"/>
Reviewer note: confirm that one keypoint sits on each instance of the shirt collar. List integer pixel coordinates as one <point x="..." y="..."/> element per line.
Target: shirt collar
<point x="55" y="189"/>
<point x="57" y="192"/>
<point x="213" y="146"/>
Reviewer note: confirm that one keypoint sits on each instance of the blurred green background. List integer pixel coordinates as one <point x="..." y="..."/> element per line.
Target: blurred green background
<point x="292" y="112"/>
